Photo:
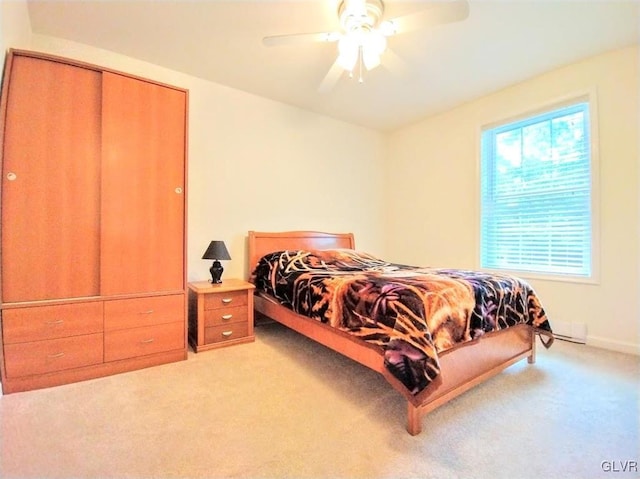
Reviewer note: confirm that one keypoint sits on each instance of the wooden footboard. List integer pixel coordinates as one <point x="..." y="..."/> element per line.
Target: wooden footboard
<point x="470" y="364"/>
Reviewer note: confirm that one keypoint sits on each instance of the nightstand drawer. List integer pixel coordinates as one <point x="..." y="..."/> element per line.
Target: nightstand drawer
<point x="225" y="299"/>
<point x="133" y="313"/>
<point x="50" y="322"/>
<point x="129" y="343"/>
<point x="217" y="317"/>
<point x="40" y="357"/>
<point x="218" y="334"/>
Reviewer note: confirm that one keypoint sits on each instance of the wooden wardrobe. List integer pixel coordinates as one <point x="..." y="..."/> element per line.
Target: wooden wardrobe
<point x="93" y="275"/>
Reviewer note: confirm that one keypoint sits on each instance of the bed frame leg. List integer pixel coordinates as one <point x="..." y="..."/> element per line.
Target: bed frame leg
<point x="414" y="421"/>
<point x="531" y="359"/>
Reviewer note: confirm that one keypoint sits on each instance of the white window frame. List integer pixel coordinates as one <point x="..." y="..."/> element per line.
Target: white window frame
<point x="590" y="97"/>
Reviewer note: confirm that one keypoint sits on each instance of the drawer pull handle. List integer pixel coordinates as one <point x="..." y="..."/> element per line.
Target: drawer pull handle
<point x="227" y="300"/>
<point x="54" y="356"/>
<point x="147" y="341"/>
<point x="150" y="311"/>
<point x="226" y="317"/>
<point x="226" y="334"/>
<point x="57" y="321"/>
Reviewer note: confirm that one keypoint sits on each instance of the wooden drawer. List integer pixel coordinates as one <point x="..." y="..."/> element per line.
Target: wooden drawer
<point x="50" y="322"/>
<point x="138" y="312"/>
<point x="225" y="300"/>
<point x="219" y="334"/>
<point x="134" y="342"/>
<point x="216" y="317"/>
<point x="39" y="357"/>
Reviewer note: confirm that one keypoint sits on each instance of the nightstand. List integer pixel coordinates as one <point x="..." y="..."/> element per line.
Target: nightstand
<point x="220" y="314"/>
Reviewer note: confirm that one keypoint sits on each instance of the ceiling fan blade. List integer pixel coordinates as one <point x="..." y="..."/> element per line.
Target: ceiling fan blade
<point x="435" y="14"/>
<point x="297" y="38"/>
<point x="331" y="78"/>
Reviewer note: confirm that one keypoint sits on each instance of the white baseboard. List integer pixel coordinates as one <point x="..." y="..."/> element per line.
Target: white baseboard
<point x="570" y="331"/>
<point x="613" y="345"/>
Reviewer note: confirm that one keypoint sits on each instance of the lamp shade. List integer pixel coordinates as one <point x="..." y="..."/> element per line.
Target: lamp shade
<point x="216" y="250"/>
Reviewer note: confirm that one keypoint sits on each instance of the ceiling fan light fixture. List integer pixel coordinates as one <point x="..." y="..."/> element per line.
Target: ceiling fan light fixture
<point x="376" y="41"/>
<point x="348" y="52"/>
<point x="388" y="28"/>
<point x="374" y="45"/>
<point x="370" y="60"/>
<point x="361" y="44"/>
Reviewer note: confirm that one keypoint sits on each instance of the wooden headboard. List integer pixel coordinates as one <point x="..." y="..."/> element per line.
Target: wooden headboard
<point x="261" y="243"/>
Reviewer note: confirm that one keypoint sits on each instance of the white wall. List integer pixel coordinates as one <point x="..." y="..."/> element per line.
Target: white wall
<point x="15" y="26"/>
<point x="433" y="183"/>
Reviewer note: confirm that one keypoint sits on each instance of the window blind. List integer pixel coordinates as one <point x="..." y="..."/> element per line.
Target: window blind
<point x="536" y="194"/>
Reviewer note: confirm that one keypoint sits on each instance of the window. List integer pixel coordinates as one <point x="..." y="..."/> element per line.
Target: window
<point x="536" y="189"/>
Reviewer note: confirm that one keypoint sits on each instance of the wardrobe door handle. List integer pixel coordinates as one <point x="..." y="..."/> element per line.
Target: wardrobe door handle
<point x="147" y="341"/>
<point x="54" y="356"/>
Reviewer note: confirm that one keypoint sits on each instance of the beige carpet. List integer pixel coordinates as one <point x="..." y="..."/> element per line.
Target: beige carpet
<point x="286" y="407"/>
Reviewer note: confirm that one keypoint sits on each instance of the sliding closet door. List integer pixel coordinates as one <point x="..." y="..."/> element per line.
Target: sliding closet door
<point x="143" y="174"/>
<point x="51" y="182"/>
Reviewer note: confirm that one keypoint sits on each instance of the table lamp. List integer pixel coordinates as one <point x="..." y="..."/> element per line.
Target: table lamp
<point x="216" y="251"/>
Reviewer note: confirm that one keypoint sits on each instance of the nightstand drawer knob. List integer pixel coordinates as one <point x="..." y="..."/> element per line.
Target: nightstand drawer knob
<point x="149" y="311"/>
<point x="147" y="341"/>
<point x="54" y="356"/>
<point x="57" y="321"/>
<point x="227" y="317"/>
<point x="227" y="300"/>
<point x="226" y="334"/>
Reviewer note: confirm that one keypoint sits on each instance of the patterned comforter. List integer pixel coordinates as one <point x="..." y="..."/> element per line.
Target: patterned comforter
<point x="411" y="313"/>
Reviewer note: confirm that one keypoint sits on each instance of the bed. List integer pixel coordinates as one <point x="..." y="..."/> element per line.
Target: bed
<point x="390" y="317"/>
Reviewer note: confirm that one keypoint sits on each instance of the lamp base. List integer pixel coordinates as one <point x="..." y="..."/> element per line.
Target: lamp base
<point x="216" y="272"/>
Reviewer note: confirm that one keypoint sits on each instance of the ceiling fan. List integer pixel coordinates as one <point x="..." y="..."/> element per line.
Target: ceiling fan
<point x="362" y="38"/>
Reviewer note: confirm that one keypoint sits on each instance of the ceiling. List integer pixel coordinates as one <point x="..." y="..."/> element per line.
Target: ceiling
<point x="501" y="43"/>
